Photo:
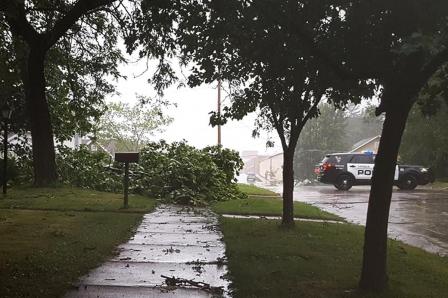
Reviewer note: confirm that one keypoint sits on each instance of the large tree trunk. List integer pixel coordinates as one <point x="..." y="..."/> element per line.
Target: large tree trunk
<point x="288" y="188"/>
<point x="41" y="130"/>
<point x="374" y="267"/>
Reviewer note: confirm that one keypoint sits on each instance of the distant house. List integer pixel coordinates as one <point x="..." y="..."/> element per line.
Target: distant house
<point x="91" y="144"/>
<point x="267" y="169"/>
<point x="271" y="168"/>
<point x="369" y="144"/>
<point x="74" y="143"/>
<point x="251" y="161"/>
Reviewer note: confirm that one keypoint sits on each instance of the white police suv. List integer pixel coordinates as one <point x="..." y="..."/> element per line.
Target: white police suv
<point x="344" y="170"/>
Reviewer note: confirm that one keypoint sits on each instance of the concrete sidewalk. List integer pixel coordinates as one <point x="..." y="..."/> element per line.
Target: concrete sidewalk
<point x="172" y="241"/>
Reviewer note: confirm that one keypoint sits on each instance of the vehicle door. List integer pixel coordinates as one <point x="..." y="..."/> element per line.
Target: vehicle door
<point x="361" y="166"/>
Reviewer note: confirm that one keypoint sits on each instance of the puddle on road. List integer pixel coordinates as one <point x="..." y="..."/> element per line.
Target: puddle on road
<point x="416" y="217"/>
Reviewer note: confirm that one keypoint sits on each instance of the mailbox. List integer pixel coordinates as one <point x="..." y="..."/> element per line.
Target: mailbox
<point x="127" y="156"/>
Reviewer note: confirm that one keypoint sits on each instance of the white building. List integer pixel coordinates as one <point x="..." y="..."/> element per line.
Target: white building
<point x="271" y="168"/>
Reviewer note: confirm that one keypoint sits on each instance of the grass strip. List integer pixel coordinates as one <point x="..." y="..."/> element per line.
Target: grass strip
<point x="270" y="207"/>
<point x="321" y="260"/>
<point x="251" y="189"/>
<point x="72" y="198"/>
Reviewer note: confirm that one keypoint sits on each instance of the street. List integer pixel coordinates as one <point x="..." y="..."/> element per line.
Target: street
<point x="418" y="217"/>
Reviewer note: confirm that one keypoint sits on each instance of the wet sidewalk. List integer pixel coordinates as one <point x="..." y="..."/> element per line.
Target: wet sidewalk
<point x="172" y="241"/>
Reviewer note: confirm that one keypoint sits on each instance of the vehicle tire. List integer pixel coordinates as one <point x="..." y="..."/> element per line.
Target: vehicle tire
<point x="408" y="182"/>
<point x="344" y="182"/>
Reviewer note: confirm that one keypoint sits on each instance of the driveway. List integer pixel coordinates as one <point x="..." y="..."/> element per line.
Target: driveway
<point x="418" y="217"/>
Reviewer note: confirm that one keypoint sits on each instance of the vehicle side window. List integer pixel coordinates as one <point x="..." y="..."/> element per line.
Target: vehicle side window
<point x="337" y="159"/>
<point x="362" y="159"/>
<point x="330" y="159"/>
<point x="346" y="158"/>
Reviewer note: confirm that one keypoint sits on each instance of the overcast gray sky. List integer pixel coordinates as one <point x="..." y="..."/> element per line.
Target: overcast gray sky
<point x="191" y="116"/>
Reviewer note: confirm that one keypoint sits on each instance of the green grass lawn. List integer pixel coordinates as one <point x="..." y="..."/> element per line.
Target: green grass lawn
<point x="251" y="189"/>
<point x="270" y="206"/>
<point x="71" y="198"/>
<point x="320" y="260"/>
<point x="43" y="252"/>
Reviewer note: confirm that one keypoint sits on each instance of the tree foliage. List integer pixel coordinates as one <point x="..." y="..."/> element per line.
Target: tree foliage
<point x="129" y="127"/>
<point x="175" y="173"/>
<point x="388" y="48"/>
<point x="400" y="48"/>
<point x="86" y="169"/>
<point x="65" y="50"/>
<point x="182" y="174"/>
<point x="425" y="140"/>
<point x="11" y="87"/>
<point x="77" y="68"/>
<point x="251" y="45"/>
<point x="322" y="135"/>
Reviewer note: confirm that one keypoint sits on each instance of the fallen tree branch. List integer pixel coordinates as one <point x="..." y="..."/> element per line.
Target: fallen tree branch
<point x="174" y="281"/>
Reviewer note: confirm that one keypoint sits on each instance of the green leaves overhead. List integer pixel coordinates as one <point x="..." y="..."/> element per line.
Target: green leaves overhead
<point x="82" y="58"/>
<point x="425" y="140"/>
<point x="78" y="67"/>
<point x="266" y="50"/>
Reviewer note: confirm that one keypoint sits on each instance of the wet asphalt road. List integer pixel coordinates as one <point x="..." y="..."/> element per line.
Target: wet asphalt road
<point x="418" y="217"/>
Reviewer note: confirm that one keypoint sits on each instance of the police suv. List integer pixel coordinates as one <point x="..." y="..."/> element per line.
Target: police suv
<point x="344" y="170"/>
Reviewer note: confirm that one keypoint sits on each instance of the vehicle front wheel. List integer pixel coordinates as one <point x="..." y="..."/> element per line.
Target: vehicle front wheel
<point x="344" y="182"/>
<point x="408" y="182"/>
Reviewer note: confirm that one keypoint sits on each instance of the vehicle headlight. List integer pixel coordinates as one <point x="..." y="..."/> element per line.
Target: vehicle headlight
<point x="424" y="170"/>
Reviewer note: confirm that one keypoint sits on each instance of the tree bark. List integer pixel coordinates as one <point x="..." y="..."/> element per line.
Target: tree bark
<point x="40" y="122"/>
<point x="288" y="188"/>
<point x="374" y="267"/>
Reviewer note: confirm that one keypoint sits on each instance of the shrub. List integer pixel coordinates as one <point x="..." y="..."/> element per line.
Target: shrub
<point x="177" y="172"/>
<point x="11" y="170"/>
<point x="87" y="169"/>
<point x="180" y="173"/>
<point x="24" y="163"/>
<point x="227" y="160"/>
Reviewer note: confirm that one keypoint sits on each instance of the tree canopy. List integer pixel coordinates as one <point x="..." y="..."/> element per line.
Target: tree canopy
<point x="425" y="140"/>
<point x="77" y="66"/>
<point x="388" y="48"/>
<point x="65" y="50"/>
<point x="251" y="45"/>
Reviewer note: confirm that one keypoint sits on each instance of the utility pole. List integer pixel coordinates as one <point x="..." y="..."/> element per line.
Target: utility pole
<point x="219" y="111"/>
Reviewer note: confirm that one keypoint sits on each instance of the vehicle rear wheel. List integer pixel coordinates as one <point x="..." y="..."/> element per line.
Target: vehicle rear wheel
<point x="408" y="182"/>
<point x="344" y="182"/>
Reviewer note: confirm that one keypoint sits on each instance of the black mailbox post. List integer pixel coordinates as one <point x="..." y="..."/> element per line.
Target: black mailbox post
<point x="126" y="157"/>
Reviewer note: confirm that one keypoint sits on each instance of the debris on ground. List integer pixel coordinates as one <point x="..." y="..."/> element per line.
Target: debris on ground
<point x="171" y="250"/>
<point x="182" y="282"/>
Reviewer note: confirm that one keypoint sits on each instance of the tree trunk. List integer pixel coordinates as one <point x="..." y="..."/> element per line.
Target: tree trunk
<point x="288" y="188"/>
<point x="374" y="267"/>
<point x="41" y="130"/>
